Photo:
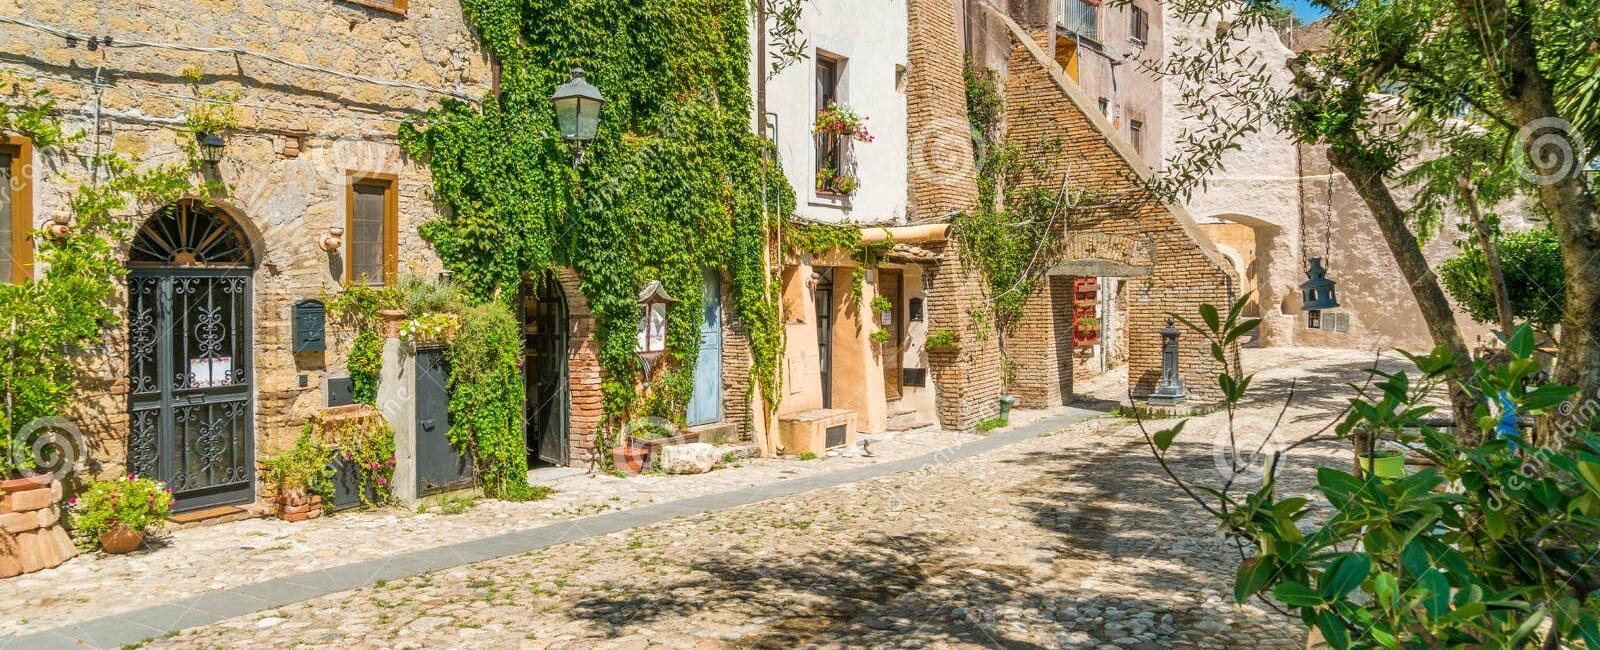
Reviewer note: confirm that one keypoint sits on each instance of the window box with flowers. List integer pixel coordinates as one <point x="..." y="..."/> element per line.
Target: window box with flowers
<point x="836" y="128"/>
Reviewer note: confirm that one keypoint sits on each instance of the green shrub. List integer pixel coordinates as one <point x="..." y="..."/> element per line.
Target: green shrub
<point x="486" y="396"/>
<point x="127" y="503"/>
<point x="992" y="423"/>
<point x="302" y="470"/>
<point x="1535" y="283"/>
<point x="942" y="340"/>
<point x="364" y="365"/>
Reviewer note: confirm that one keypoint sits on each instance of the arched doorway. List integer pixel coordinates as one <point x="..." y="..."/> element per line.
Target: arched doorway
<point x="544" y="327"/>
<point x="190" y="415"/>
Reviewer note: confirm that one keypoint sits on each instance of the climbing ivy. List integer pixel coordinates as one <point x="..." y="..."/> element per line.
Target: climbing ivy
<point x="674" y="183"/>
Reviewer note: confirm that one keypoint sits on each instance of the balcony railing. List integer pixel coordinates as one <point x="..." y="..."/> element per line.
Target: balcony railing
<point x="1081" y="18"/>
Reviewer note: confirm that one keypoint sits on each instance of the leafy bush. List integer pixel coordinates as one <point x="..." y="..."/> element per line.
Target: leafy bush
<point x="1488" y="547"/>
<point x="365" y="364"/>
<point x="992" y="423"/>
<point x="486" y="398"/>
<point x="942" y="340"/>
<point x="1535" y="283"/>
<point x="127" y="503"/>
<point x="302" y="471"/>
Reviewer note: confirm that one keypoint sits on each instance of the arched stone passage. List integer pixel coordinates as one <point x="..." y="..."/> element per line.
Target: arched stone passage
<point x="1263" y="254"/>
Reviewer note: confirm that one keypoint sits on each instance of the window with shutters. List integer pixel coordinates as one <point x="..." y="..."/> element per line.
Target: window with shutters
<point x="1136" y="135"/>
<point x="16" y="210"/>
<point x="1138" y="24"/>
<point x="372" y="245"/>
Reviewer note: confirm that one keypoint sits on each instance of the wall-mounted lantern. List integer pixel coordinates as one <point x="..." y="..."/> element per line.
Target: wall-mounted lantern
<point x="1317" y="293"/>
<point x="653" y="302"/>
<point x="577" y="104"/>
<point x="211" y="146"/>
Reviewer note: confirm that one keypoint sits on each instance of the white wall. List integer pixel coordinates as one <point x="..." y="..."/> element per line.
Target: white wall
<point x="871" y="36"/>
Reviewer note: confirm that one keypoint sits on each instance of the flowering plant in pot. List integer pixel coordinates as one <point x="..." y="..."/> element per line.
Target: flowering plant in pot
<point x="117" y="513"/>
<point x="297" y="479"/>
<point x="838" y="119"/>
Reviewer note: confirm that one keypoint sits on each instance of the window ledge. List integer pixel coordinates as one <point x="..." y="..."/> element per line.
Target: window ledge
<point x="830" y="200"/>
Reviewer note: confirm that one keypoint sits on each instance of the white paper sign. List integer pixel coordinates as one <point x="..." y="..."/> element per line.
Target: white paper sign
<point x="215" y="371"/>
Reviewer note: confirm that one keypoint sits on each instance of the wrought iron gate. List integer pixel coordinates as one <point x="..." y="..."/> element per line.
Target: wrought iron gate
<point x="189" y="393"/>
<point x="190" y="412"/>
<point x="544" y="322"/>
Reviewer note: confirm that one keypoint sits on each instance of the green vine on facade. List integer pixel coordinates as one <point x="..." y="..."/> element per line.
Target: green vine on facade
<point x="45" y="320"/>
<point x="674" y="183"/>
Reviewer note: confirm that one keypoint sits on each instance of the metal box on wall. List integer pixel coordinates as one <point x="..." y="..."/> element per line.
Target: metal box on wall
<point x="310" y="326"/>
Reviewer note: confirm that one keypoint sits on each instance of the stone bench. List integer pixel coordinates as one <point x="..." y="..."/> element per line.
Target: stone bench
<point x="807" y="431"/>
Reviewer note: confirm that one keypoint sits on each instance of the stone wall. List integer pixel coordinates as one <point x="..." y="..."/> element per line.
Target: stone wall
<point x="300" y="135"/>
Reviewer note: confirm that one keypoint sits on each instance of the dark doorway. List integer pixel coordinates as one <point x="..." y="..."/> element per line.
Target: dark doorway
<point x="544" y="327"/>
<point x="822" y="296"/>
<point x="891" y="283"/>
<point x="190" y="396"/>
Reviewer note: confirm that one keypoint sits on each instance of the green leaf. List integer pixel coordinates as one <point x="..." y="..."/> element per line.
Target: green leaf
<point x="1163" y="438"/>
<point x="1547" y="396"/>
<point x="1208" y="313"/>
<point x="1296" y="594"/>
<point x="1254" y="574"/>
<point x="1385" y="587"/>
<point x="1343" y="575"/>
<point x="1521" y="343"/>
<point x="1333" y="630"/>
<point x="1495" y="521"/>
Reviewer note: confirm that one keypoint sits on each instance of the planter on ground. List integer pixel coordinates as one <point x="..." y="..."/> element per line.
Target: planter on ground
<point x="299" y="507"/>
<point x="121" y="540"/>
<point x="652" y="447"/>
<point x="628" y="459"/>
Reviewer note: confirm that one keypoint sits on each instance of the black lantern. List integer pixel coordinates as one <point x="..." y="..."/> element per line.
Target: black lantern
<point x="577" y="105"/>
<point x="211" y="146"/>
<point x="653" y="302"/>
<point x="1316" y="293"/>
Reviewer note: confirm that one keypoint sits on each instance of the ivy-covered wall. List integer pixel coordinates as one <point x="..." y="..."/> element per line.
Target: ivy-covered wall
<point x="675" y="181"/>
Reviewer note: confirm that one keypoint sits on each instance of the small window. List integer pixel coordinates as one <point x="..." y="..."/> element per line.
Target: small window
<point x="1136" y="135"/>
<point x="372" y="244"/>
<point x="16" y="210"/>
<point x="391" y="6"/>
<point x="1105" y="107"/>
<point x="831" y="160"/>
<point x="1138" y="24"/>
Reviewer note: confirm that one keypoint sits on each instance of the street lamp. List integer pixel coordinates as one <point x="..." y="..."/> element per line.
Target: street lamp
<point x="577" y="106"/>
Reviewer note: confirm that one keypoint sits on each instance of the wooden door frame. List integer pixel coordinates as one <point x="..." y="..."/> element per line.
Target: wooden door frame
<point x="896" y="336"/>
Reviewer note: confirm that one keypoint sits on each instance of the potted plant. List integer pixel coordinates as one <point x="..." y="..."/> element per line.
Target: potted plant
<point x="1384" y="463"/>
<point x="296" y="480"/>
<point x="839" y="120"/>
<point x="118" y="513"/>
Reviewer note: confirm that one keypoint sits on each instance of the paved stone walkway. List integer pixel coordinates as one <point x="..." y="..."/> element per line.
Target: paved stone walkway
<point x="1042" y="536"/>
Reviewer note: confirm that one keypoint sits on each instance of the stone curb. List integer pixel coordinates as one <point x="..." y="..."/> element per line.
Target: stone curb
<point x="138" y="625"/>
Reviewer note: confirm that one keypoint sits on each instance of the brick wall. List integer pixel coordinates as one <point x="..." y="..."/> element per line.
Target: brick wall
<point x="586" y="400"/>
<point x="1185" y="272"/>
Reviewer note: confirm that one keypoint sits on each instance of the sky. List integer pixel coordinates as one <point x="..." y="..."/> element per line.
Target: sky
<point x="1305" y="10"/>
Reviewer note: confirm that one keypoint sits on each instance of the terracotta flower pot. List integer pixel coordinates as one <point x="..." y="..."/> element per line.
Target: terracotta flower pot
<point x="629" y="459"/>
<point x="392" y="319"/>
<point x="120" y="540"/>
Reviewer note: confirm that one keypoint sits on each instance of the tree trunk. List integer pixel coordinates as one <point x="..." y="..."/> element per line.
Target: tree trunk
<point x="1531" y="98"/>
<point x="1419" y="275"/>
<point x="1491" y="258"/>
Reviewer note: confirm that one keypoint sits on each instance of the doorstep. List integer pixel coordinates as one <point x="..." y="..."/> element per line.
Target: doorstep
<point x="214" y="516"/>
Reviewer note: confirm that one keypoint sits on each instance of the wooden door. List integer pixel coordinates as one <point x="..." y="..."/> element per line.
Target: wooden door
<point x="890" y="285"/>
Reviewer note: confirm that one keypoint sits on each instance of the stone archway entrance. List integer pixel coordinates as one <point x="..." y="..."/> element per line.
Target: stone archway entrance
<point x="190" y="393"/>
<point x="544" y="328"/>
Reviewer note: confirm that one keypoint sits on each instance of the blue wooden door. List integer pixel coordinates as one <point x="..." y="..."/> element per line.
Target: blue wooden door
<point x="705" y="406"/>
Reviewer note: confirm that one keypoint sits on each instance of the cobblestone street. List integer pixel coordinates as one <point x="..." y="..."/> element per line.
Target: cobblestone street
<point x="1072" y="539"/>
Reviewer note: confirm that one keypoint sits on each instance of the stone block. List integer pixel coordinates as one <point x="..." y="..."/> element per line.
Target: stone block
<point x="807" y="431"/>
<point x="63" y="541"/>
<point x="30" y="500"/>
<point x="692" y="458"/>
<point x="30" y="552"/>
<point x="18" y="522"/>
<point x="9" y="565"/>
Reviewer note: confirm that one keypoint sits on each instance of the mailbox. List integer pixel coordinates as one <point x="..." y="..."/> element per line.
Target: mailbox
<point x="310" y="326"/>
